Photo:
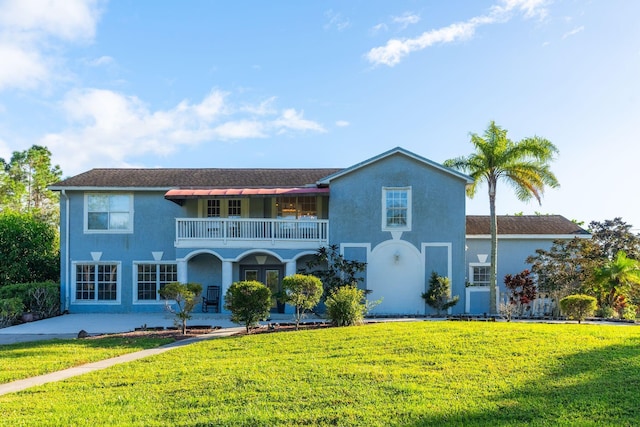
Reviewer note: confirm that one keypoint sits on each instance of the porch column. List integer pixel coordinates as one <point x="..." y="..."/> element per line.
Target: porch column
<point x="290" y="268"/>
<point x="227" y="279"/>
<point x="182" y="271"/>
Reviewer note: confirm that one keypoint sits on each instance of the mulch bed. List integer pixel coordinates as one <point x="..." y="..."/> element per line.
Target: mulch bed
<point x="194" y="331"/>
<point x="286" y="327"/>
<point x="161" y="332"/>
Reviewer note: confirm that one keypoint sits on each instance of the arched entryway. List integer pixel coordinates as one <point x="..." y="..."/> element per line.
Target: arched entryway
<point x="267" y="269"/>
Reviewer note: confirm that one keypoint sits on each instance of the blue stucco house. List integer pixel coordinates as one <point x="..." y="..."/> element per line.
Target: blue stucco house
<point x="127" y="232"/>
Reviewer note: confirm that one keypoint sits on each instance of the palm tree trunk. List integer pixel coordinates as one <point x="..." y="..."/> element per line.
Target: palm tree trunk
<point x="493" y="277"/>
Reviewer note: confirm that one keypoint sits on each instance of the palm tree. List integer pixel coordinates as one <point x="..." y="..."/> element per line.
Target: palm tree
<point x="524" y="165"/>
<point x="616" y="277"/>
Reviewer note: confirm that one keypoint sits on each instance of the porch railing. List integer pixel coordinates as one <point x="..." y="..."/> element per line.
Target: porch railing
<point x="224" y="229"/>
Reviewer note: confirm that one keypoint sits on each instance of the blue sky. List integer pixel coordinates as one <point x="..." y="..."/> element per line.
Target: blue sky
<point x="328" y="84"/>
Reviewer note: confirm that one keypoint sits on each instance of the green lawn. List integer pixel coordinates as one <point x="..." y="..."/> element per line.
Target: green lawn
<point x="408" y="374"/>
<point x="24" y="360"/>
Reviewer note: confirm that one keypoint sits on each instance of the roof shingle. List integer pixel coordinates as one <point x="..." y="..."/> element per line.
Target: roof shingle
<point x="196" y="178"/>
<point x="524" y="224"/>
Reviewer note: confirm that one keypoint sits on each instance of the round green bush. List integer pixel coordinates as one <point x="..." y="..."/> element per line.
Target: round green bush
<point x="578" y="306"/>
<point x="346" y="306"/>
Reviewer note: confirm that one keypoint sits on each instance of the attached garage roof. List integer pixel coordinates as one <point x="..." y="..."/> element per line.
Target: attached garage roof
<point x="524" y="225"/>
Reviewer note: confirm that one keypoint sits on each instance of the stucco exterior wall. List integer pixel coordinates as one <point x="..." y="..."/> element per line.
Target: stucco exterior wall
<point x="434" y="243"/>
<point x="153" y="231"/>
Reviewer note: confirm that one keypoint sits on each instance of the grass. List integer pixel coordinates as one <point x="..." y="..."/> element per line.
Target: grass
<point x="390" y="374"/>
<point x="24" y="360"/>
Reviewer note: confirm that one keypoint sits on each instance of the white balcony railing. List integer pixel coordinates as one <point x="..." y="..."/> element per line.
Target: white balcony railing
<point x="251" y="229"/>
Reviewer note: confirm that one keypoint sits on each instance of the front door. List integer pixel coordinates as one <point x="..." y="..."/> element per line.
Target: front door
<point x="271" y="276"/>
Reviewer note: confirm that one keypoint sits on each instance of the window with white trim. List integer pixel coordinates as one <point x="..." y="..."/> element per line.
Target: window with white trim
<point x="480" y="275"/>
<point x="97" y="282"/>
<point x="396" y="208"/>
<point x="151" y="278"/>
<point x="108" y="213"/>
<point x="223" y="208"/>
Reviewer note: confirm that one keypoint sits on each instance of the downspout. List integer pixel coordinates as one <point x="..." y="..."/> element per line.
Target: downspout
<point x="66" y="253"/>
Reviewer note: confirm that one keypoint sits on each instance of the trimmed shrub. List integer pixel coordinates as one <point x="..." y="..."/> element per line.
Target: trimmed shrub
<point x="303" y="292"/>
<point x="40" y="298"/>
<point x="579" y="306"/>
<point x="438" y="295"/>
<point x="10" y="310"/>
<point x="605" y="312"/>
<point x="249" y="302"/>
<point x="346" y="306"/>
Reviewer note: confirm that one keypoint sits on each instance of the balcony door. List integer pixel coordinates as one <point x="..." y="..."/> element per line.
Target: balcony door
<point x="271" y="276"/>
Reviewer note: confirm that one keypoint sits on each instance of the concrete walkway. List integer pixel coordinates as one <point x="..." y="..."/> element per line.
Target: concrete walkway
<point x="68" y="325"/>
<point x="20" y="385"/>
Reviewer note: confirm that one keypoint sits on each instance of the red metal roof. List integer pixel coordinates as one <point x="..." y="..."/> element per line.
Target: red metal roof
<point x="209" y="192"/>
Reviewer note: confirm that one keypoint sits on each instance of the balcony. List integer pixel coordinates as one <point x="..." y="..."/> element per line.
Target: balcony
<point x="251" y="232"/>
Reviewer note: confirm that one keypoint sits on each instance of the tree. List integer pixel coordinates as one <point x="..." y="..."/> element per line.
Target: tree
<point x="522" y="290"/>
<point x="615" y="279"/>
<point x="28" y="249"/>
<point x="248" y="301"/>
<point x="563" y="269"/>
<point x="578" y="306"/>
<point x="24" y="183"/>
<point x="185" y="296"/>
<point x="524" y="165"/>
<point x="303" y="292"/>
<point x="615" y="235"/>
<point x="338" y="272"/>
<point x="438" y="295"/>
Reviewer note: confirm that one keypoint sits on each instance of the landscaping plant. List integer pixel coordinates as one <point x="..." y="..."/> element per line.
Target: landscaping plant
<point x="346" y="306"/>
<point x="524" y="165"/>
<point x="303" y="292"/>
<point x="10" y="311"/>
<point x="438" y="295"/>
<point x="249" y="302"/>
<point x="521" y="290"/>
<point x="185" y="296"/>
<point x="579" y="306"/>
<point x="333" y="269"/>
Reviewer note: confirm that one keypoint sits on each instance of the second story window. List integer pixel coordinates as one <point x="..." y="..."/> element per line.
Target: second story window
<point x="235" y="208"/>
<point x="109" y="213"/>
<point x="223" y="208"/>
<point x="213" y="208"/>
<point x="396" y="207"/>
<point x="291" y="207"/>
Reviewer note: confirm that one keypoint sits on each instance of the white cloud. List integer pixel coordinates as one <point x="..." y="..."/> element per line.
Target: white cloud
<point x="98" y="62"/>
<point x="396" y="49"/>
<point x="29" y="30"/>
<point x="380" y="27"/>
<point x="336" y="20"/>
<point x="406" y="19"/>
<point x="342" y="123"/>
<point x="293" y="120"/>
<point x="108" y="128"/>
<point x="573" y="32"/>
